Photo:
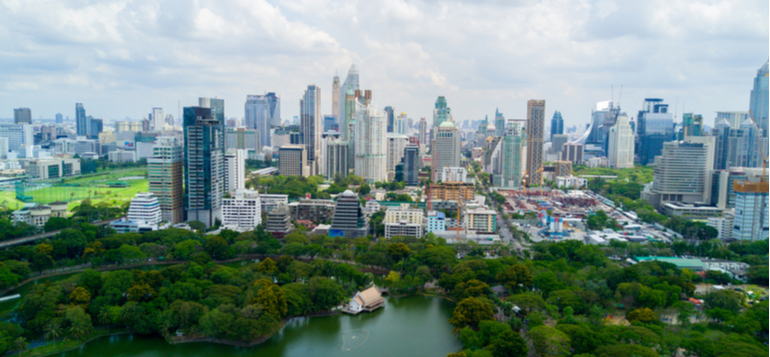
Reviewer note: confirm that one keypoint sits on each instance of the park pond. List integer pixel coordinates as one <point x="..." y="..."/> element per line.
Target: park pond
<point x="408" y="326"/>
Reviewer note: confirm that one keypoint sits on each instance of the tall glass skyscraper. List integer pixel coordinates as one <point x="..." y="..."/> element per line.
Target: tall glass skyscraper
<point x="759" y="99"/>
<point x="204" y="161"/>
<point x="262" y="112"/>
<point x="347" y="109"/>
<point x="390" y="117"/>
<point x="311" y="126"/>
<point x="81" y="121"/>
<point x="499" y="123"/>
<point x="557" y="124"/>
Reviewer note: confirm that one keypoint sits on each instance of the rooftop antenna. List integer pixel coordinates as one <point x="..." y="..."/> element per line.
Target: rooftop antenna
<point x="612" y="93"/>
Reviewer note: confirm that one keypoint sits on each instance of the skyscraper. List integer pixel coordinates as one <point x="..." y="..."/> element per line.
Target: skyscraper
<point x="204" y="161"/>
<point x="441" y="112"/>
<point x="721" y="134"/>
<point x="680" y="174"/>
<point x="235" y="170"/>
<point x="165" y="172"/>
<point x="557" y="124"/>
<point x="95" y="126"/>
<point x="446" y="148"/>
<point x="337" y="160"/>
<point x="371" y="142"/>
<point x="758" y="105"/>
<point x="59" y="118"/>
<point x="396" y="145"/>
<point x="292" y="161"/>
<point x="751" y="220"/>
<point x="621" y="146"/>
<point x="411" y="164"/>
<point x="743" y="150"/>
<point x="692" y="125"/>
<point x="535" y="131"/>
<point x="22" y="116"/>
<point x="399" y="126"/>
<point x="158" y="119"/>
<point x="336" y="96"/>
<point x="655" y="127"/>
<point x="346" y="115"/>
<point x="499" y="123"/>
<point x="423" y="135"/>
<point x="262" y="112"/>
<point x="311" y="126"/>
<point x="513" y="147"/>
<point x="390" y="118"/>
<point x="80" y="120"/>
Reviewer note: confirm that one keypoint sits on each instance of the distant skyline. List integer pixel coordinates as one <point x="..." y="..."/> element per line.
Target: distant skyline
<point x="122" y="58"/>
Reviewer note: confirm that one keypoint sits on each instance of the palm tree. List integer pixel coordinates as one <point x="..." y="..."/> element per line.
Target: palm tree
<point x="77" y="331"/>
<point x="21" y="344"/>
<point x="53" y="330"/>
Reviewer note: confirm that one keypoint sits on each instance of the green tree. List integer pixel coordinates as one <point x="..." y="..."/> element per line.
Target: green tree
<point x="398" y="251"/>
<point x="549" y="341"/>
<point x="625" y="350"/>
<point x="509" y="343"/>
<point x="469" y="312"/>
<point x="271" y="298"/>
<point x="644" y="315"/>
<point x="325" y="293"/>
<point x="21" y="344"/>
<point x="517" y="278"/>
<point x="218" y="248"/>
<point x="52" y="331"/>
<point x="268" y="267"/>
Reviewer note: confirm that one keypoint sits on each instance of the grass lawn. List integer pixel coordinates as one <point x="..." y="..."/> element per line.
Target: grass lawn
<point x="638" y="174"/>
<point x="69" y="344"/>
<point x="96" y="182"/>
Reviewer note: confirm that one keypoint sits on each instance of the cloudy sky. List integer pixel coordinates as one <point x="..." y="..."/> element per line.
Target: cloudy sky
<point x="121" y="58"/>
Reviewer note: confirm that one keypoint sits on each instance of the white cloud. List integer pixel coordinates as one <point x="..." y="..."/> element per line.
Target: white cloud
<point x="122" y="57"/>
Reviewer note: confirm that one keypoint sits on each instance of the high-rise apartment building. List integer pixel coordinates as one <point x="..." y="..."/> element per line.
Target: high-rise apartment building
<point x="347" y="108"/>
<point x="446" y="148"/>
<point x="158" y="119"/>
<point x="336" y="96"/>
<point x="399" y="125"/>
<point x="758" y="105"/>
<point x="557" y="124"/>
<point x="337" y="159"/>
<point x="311" y="126"/>
<point x="165" y="171"/>
<point x="423" y="136"/>
<point x="204" y="161"/>
<point x="292" y="161"/>
<point x="441" y="112"/>
<point x="22" y="116"/>
<point x="511" y="155"/>
<point x="499" y="123"/>
<point x="81" y="124"/>
<point x="396" y="145"/>
<point x="734" y="119"/>
<point x="371" y="142"/>
<point x="242" y="138"/>
<point x="692" y="125"/>
<point x="241" y="211"/>
<point x="235" y="170"/>
<point x="621" y="146"/>
<point x="751" y="220"/>
<point x="535" y="130"/>
<point x="263" y="112"/>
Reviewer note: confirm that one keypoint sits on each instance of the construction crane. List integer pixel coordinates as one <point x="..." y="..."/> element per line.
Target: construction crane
<point x="540" y="171"/>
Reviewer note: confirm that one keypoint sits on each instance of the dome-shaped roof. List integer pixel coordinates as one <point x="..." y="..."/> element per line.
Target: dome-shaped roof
<point x="491" y="127"/>
<point x="447" y="124"/>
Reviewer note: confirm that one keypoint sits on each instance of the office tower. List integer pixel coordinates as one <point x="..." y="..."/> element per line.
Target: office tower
<point x="311" y="126"/>
<point x="18" y="135"/>
<point x="347" y="108"/>
<point x="165" y="175"/>
<point x="721" y="134"/>
<point x="396" y="145"/>
<point x="751" y="220"/>
<point x="158" y="119"/>
<point x="3" y="148"/>
<point x="217" y="107"/>
<point x="262" y="112"/>
<point x="95" y="127"/>
<point x="337" y="159"/>
<point x="80" y="120"/>
<point x="621" y="145"/>
<point x="758" y="105"/>
<point x="59" y="118"/>
<point x="389" y="117"/>
<point x="241" y="212"/>
<point x="692" y="125"/>
<point x="441" y="112"/>
<point x="371" y="142"/>
<point x="511" y="152"/>
<point x="602" y="118"/>
<point x="292" y="161"/>
<point x="349" y="219"/>
<point x="336" y="96"/>
<point x="423" y="136"/>
<point x="330" y="123"/>
<point x="743" y="150"/>
<point x="235" y="170"/>
<point x="411" y="164"/>
<point x="655" y="127"/>
<point x="557" y="124"/>
<point x="680" y="174"/>
<point x="22" y="116"/>
<point x="399" y="126"/>
<point x="446" y="148"/>
<point x="241" y="138"/>
<point x="204" y="161"/>
<point x="535" y="131"/>
<point x="734" y="119"/>
<point x="558" y="141"/>
<point x="499" y="123"/>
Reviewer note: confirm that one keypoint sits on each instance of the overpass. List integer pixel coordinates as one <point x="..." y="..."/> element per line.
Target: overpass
<point x="36" y="237"/>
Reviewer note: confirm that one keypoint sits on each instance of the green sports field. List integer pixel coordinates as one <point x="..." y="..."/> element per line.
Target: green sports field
<point x="95" y="183"/>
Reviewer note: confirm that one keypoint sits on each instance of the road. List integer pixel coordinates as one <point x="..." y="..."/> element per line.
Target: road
<point x="36" y="237"/>
<point x="503" y="224"/>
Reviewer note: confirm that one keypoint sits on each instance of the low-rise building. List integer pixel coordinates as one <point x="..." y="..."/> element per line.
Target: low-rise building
<point x="481" y="220"/>
<point x="349" y="219"/>
<point x="270" y="201"/>
<point x="52" y="168"/>
<point x="689" y="210"/>
<point x="403" y="229"/>
<point x="38" y="215"/>
<point x="145" y="207"/>
<point x="127" y="226"/>
<point x="723" y="225"/>
<point x="372" y="206"/>
<point x="367" y="300"/>
<point x="436" y="221"/>
<point x="571" y="182"/>
<point x="453" y="191"/>
<point x="318" y="211"/>
<point x="279" y="222"/>
<point x="241" y="212"/>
